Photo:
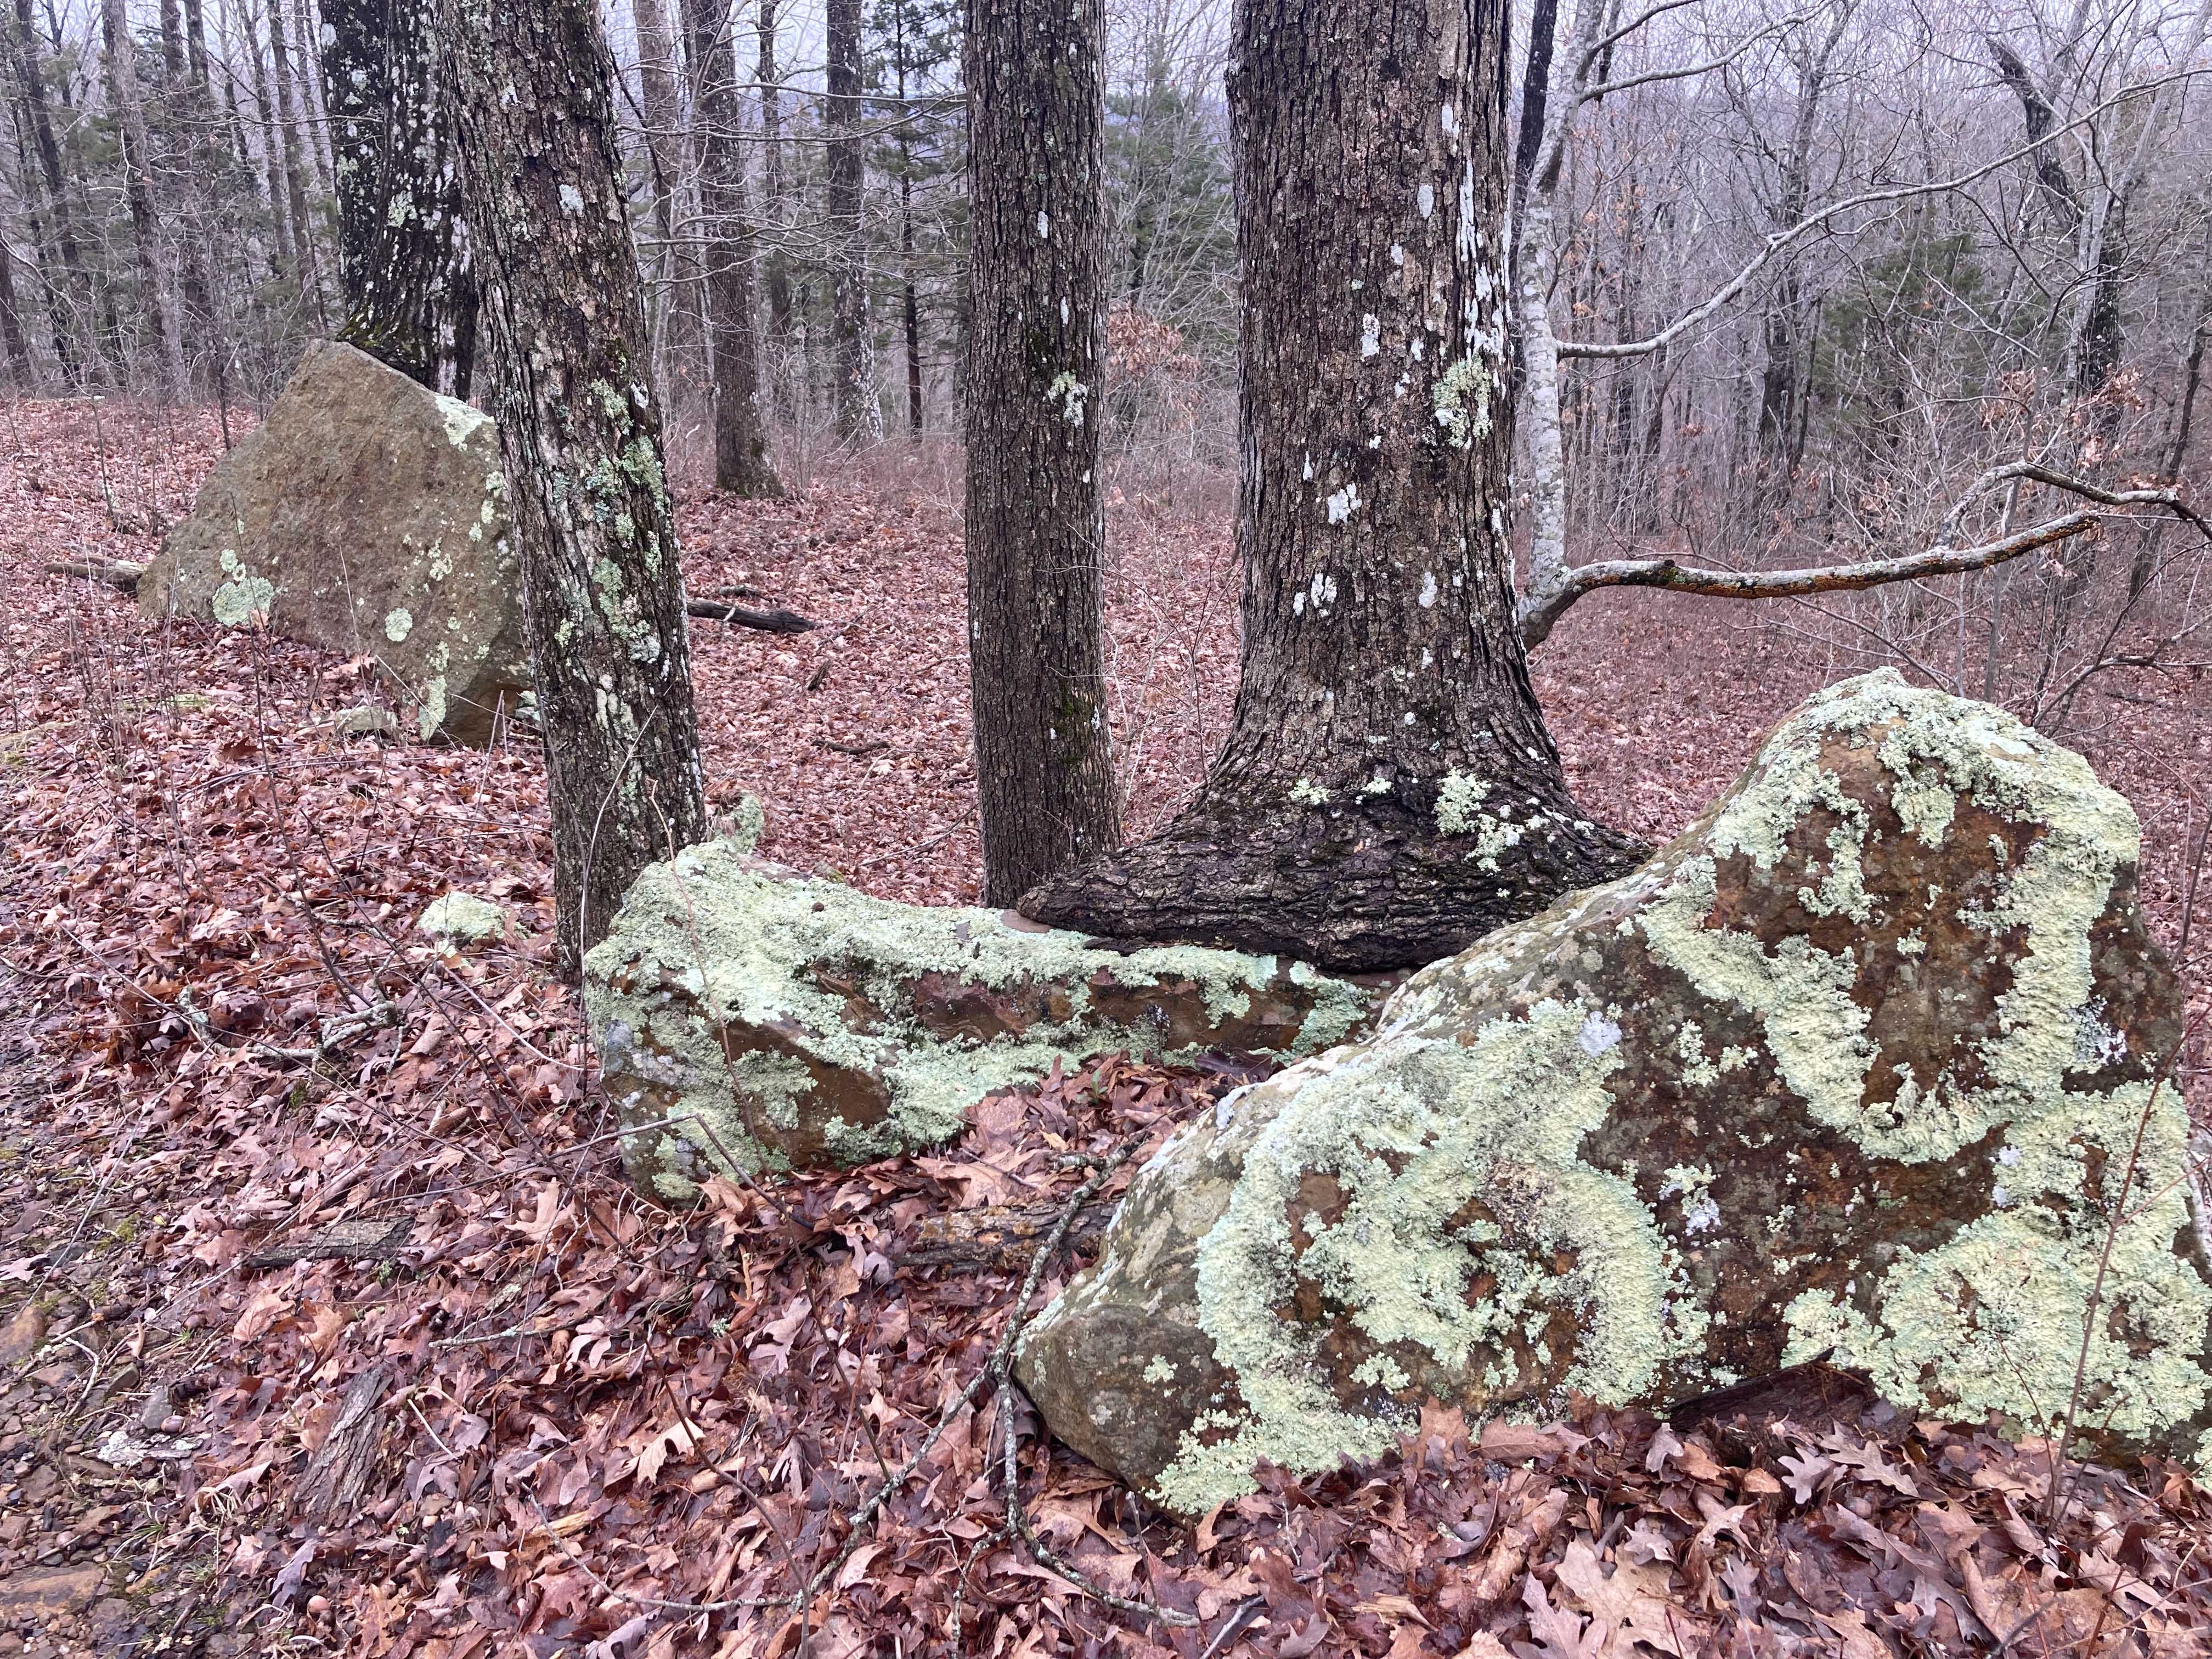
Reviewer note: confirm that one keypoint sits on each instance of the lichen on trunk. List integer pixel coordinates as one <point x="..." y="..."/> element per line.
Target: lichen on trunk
<point x="580" y="431"/>
<point x="1388" y="791"/>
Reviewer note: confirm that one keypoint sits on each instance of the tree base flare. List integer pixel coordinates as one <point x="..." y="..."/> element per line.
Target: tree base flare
<point x="1353" y="881"/>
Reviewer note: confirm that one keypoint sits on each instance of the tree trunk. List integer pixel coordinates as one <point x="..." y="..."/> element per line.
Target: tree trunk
<point x="741" y="462"/>
<point x="776" y="267"/>
<point x="401" y="263"/>
<point x="68" y="320"/>
<point x="859" y="416"/>
<point x="660" y="111"/>
<point x="289" y="141"/>
<point x="138" y="189"/>
<point x="1035" y="533"/>
<point x="534" y="122"/>
<point x="272" y="144"/>
<point x="1387" y="792"/>
<point x="19" y="374"/>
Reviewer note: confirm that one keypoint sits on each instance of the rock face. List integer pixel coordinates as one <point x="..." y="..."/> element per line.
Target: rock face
<point x="795" y="1023"/>
<point x="366" y="515"/>
<point x="1857" y="1064"/>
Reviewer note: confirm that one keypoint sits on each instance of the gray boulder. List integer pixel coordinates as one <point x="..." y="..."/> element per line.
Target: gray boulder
<point x="1862" y="1064"/>
<point x="783" y="1022"/>
<point x="369" y="516"/>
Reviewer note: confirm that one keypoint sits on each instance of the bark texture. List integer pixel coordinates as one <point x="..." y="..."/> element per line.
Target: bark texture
<point x="580" y="431"/>
<point x="410" y="296"/>
<point x="741" y="461"/>
<point x="1388" y="791"/>
<point x="1036" y="531"/>
<point x="664" y="145"/>
<point x="776" y="269"/>
<point x="859" y="416"/>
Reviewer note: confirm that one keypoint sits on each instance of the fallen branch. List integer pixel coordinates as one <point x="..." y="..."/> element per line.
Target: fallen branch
<point x="1539" y="618"/>
<point x="345" y="1240"/>
<point x="118" y="575"/>
<point x="999" y="1238"/>
<point x="771" y="622"/>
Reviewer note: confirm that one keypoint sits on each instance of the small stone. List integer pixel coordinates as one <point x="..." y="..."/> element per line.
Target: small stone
<point x="1857" y="1066"/>
<point x="20" y="1339"/>
<point x="64" y="1589"/>
<point x="463" y="918"/>
<point x="368" y="720"/>
<point x="154" y="1417"/>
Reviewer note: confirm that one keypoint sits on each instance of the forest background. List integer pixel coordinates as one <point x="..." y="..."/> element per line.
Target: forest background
<point x="1972" y="237"/>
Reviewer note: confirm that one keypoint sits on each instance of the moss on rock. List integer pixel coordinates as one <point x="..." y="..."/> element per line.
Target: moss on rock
<point x="1856" y="1063"/>
<point x="769" y="1020"/>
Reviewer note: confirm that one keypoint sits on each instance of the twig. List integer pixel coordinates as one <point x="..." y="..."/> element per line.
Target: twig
<point x="768" y="622"/>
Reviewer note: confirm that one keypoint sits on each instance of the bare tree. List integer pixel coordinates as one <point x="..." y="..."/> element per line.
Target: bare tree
<point x="859" y="415"/>
<point x="741" y="458"/>
<point x="145" y="221"/>
<point x="411" y="300"/>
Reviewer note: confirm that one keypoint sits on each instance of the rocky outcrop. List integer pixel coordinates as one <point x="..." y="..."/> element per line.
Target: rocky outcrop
<point x="1863" y="1064"/>
<point x="772" y="1021"/>
<point x="369" y="516"/>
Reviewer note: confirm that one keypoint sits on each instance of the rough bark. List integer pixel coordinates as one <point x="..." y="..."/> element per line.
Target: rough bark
<point x="1036" y="529"/>
<point x="534" y="124"/>
<point x="859" y="416"/>
<point x="138" y="189"/>
<point x="1388" y="791"/>
<point x="402" y="265"/>
<point x="741" y="460"/>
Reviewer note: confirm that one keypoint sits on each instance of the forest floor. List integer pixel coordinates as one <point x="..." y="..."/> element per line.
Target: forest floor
<point x="374" y="1351"/>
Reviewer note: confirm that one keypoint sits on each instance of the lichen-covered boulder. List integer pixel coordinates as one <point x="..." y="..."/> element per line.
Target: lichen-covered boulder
<point x="366" y="515"/>
<point x="1861" y="1064"/>
<point x="779" y="1021"/>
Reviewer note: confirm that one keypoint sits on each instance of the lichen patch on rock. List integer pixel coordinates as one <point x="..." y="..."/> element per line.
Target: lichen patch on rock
<point x="763" y="1019"/>
<point x="1856" y="1063"/>
<point x="366" y="515"/>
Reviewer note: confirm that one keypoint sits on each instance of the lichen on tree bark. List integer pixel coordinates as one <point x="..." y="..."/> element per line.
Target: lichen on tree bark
<point x="1388" y="791"/>
<point x="1035" y="533"/>
<point x="580" y="433"/>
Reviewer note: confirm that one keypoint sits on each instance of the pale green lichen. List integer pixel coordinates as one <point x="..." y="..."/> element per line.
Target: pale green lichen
<point x="464" y="918"/>
<point x="1438" y="1107"/>
<point x="462" y="423"/>
<point x="1306" y="793"/>
<point x="711" y="937"/>
<point x="1409" y="1124"/>
<point x="244" y="597"/>
<point x="398" y="624"/>
<point x="1459" y="802"/>
<point x="1462" y="401"/>
<point x="1930" y="743"/>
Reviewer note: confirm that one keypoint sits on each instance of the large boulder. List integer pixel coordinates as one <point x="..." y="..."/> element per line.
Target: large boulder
<point x="1862" y="1064"/>
<point x="366" y="515"/>
<point x="768" y="1020"/>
